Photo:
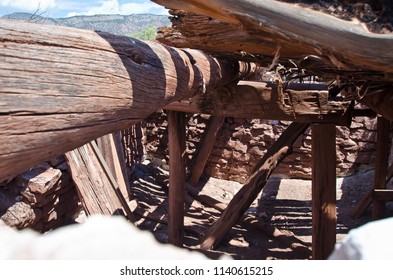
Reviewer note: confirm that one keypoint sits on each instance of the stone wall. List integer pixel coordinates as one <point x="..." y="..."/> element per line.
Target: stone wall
<point x="241" y="143"/>
<point x="42" y="198"/>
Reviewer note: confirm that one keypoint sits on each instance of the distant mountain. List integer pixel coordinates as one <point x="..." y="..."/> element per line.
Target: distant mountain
<point x="115" y="24"/>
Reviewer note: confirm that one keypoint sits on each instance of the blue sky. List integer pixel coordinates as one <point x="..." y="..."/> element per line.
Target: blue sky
<point x="67" y="8"/>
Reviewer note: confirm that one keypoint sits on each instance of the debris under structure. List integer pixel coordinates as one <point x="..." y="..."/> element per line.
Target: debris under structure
<point x="195" y="136"/>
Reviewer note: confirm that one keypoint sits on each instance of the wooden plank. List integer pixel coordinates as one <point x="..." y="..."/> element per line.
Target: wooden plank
<point x="126" y="208"/>
<point x="204" y="149"/>
<point x="382" y="195"/>
<point x="97" y="189"/>
<point x="62" y="87"/>
<point x="248" y="193"/>
<point x="113" y="154"/>
<point x="381" y="165"/>
<point x="177" y="179"/>
<point x="291" y="29"/>
<point x="323" y="189"/>
<point x="285" y="237"/>
<point x="265" y="100"/>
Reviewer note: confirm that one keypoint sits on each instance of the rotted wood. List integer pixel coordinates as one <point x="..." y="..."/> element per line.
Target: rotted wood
<point x="381" y="165"/>
<point x="324" y="216"/>
<point x="285" y="237"/>
<point x="290" y="30"/>
<point x="177" y="176"/>
<point x="248" y="193"/>
<point x="291" y="102"/>
<point x="62" y="87"/>
<point x="204" y="149"/>
<point x="113" y="153"/>
<point x="96" y="187"/>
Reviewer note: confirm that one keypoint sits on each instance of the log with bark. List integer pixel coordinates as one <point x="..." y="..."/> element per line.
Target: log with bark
<point x="291" y="30"/>
<point x="61" y="87"/>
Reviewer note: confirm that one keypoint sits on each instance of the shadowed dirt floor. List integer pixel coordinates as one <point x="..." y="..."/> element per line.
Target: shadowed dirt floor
<point x="284" y="203"/>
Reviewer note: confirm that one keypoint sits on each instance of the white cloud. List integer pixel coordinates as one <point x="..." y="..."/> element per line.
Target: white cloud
<point x="28" y="5"/>
<point x="113" y="7"/>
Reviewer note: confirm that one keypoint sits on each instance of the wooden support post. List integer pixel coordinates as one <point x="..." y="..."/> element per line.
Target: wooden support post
<point x="177" y="179"/>
<point x="205" y="148"/>
<point x="381" y="165"/>
<point x="323" y="189"/>
<point x="249" y="192"/>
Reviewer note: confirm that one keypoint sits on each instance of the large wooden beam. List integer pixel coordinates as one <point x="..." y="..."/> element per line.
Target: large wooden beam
<point x="323" y="189"/>
<point x="177" y="177"/>
<point x="292" y="28"/>
<point x="381" y="165"/>
<point x="62" y="87"/>
<point x="293" y="102"/>
<point x="204" y="149"/>
<point x="249" y="192"/>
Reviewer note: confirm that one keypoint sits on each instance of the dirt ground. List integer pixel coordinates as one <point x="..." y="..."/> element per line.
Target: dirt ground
<point x="283" y="203"/>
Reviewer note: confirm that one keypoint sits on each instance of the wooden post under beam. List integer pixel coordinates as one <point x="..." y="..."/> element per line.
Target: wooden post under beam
<point x="381" y="165"/>
<point x="177" y="177"/>
<point x="323" y="190"/>
<point x="204" y="149"/>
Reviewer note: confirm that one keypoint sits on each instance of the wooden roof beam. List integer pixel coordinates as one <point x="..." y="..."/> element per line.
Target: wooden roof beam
<point x="62" y="87"/>
<point x="260" y="100"/>
<point x="295" y="29"/>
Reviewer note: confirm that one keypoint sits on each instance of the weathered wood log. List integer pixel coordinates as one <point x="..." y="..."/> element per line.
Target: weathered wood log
<point x="295" y="29"/>
<point x="177" y="177"/>
<point x="61" y="87"/>
<point x="248" y="193"/>
<point x="97" y="189"/>
<point x="204" y="149"/>
<point x="298" y="102"/>
<point x="381" y="165"/>
<point x="323" y="149"/>
<point x="285" y="237"/>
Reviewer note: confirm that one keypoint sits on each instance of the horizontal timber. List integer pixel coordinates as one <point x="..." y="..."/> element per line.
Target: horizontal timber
<point x="259" y="100"/>
<point x="291" y="30"/>
<point x="62" y="87"/>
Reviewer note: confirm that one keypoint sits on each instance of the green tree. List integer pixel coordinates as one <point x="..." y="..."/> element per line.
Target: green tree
<point x="147" y="34"/>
